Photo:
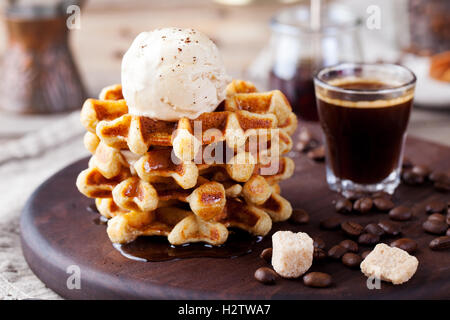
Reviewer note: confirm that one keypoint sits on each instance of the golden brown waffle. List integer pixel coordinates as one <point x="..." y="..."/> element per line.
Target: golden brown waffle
<point x="245" y="116"/>
<point x="145" y="178"/>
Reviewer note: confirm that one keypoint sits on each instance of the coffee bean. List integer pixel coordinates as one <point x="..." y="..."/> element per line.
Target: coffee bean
<point x="368" y="239"/>
<point x="374" y="228"/>
<point x="317" y="154"/>
<point x="438" y="176"/>
<point x="336" y="252"/>
<point x="441" y="243"/>
<point x="435" y="227"/>
<point x="353" y="195"/>
<point x="344" y="206"/>
<point x="435" y="207"/>
<point x="406" y="244"/>
<point x="330" y="223"/>
<point x="421" y="170"/>
<point x="363" y="205"/>
<point x="305" y="135"/>
<point x="383" y="204"/>
<point x="437" y="217"/>
<point x="319" y="243"/>
<point x="447" y="218"/>
<point x="442" y="187"/>
<point x="365" y="254"/>
<point x="299" y="216"/>
<point x="351" y="260"/>
<point x="412" y="178"/>
<point x="351" y="228"/>
<point x="305" y="146"/>
<point x="301" y="146"/>
<point x="381" y="194"/>
<point x="400" y="213"/>
<point x="265" y="275"/>
<point x="319" y="254"/>
<point x="317" y="280"/>
<point x="350" y="245"/>
<point x="407" y="163"/>
<point x="389" y="227"/>
<point x="448" y="232"/>
<point x="266" y="254"/>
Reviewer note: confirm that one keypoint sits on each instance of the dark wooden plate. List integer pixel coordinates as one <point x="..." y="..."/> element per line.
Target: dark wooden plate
<point x="58" y="231"/>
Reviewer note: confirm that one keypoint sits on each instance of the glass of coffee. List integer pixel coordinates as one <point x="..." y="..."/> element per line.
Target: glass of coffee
<point x="364" y="111"/>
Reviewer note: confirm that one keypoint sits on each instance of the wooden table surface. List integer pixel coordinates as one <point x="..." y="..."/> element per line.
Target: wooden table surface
<point x="51" y="244"/>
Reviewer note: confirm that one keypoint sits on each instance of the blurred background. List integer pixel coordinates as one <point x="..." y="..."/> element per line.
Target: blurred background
<point x="56" y="53"/>
<point x="270" y="42"/>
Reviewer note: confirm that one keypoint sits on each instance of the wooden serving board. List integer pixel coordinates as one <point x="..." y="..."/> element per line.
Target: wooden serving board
<point x="58" y="231"/>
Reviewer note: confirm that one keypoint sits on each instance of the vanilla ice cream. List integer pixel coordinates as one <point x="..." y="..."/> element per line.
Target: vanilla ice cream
<point x="171" y="73"/>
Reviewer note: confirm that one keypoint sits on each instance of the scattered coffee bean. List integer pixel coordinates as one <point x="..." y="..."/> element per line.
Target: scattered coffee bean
<point x="301" y="146"/>
<point x="344" y="206"/>
<point x="265" y="275"/>
<point x="448" y="232"/>
<point x="305" y="135"/>
<point x="442" y="187"/>
<point x="421" y="170"/>
<point x="350" y="245"/>
<point x="306" y="141"/>
<point x="365" y="254"/>
<point x="319" y="254"/>
<point x="436" y="207"/>
<point x="381" y="194"/>
<point x="317" y="154"/>
<point x="330" y="223"/>
<point x="336" y="252"/>
<point x="319" y="243"/>
<point x="409" y="245"/>
<point x="363" y="205"/>
<point x="351" y="228"/>
<point x="437" y="217"/>
<point x="447" y="218"/>
<point x="412" y="178"/>
<point x="407" y="163"/>
<point x="353" y="195"/>
<point x="435" y="227"/>
<point x="389" y="227"/>
<point x="368" y="239"/>
<point x="383" y="204"/>
<point x="299" y="216"/>
<point x="400" y="213"/>
<point x="317" y="279"/>
<point x="351" y="260"/>
<point x="266" y="254"/>
<point x="374" y="228"/>
<point x="438" y="176"/>
<point x="441" y="243"/>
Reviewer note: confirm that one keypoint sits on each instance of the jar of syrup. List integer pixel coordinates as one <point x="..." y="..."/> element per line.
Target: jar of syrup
<point x="297" y="50"/>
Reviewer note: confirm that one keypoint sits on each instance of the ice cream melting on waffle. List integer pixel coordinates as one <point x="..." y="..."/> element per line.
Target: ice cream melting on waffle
<point x="165" y="163"/>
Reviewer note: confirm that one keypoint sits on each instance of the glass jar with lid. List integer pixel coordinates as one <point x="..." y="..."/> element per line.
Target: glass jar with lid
<point x="297" y="50"/>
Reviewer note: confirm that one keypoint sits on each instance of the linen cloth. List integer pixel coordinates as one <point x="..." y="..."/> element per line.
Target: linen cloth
<point x="24" y="164"/>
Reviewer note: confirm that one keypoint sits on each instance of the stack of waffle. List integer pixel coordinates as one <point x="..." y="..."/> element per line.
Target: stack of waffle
<point x="151" y="177"/>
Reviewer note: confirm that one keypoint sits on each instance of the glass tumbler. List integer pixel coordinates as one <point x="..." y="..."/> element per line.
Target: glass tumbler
<point x="364" y="111"/>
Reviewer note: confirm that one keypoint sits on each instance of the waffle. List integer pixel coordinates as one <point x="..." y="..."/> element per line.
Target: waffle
<point x="146" y="178"/>
<point x="245" y="115"/>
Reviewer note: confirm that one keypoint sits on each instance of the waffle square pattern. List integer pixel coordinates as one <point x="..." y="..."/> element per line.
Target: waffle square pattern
<point x="189" y="180"/>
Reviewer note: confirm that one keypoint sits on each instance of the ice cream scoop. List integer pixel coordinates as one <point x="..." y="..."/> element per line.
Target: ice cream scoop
<point x="171" y="73"/>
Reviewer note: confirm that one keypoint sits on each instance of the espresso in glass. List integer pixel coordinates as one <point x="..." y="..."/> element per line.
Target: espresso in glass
<point x="364" y="112"/>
